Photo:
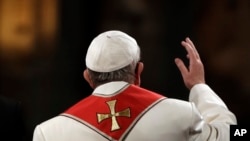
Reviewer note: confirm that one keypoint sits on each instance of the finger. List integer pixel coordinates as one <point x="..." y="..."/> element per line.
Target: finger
<point x="191" y="53"/>
<point x="181" y="66"/>
<point x="188" y="40"/>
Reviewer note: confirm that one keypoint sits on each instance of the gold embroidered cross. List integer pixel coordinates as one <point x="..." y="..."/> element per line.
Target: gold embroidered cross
<point x="113" y="115"/>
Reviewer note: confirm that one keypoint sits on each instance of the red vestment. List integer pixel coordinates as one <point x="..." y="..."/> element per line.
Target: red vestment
<point x="129" y="106"/>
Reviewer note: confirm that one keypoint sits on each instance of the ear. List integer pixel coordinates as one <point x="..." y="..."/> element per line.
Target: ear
<point x="138" y="72"/>
<point x="87" y="78"/>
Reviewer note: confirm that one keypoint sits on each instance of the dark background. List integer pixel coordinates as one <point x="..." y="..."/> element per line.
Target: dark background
<point x="48" y="81"/>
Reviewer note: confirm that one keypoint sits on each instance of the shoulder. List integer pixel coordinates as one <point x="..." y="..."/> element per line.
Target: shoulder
<point x="177" y="104"/>
<point x="57" y="120"/>
<point x="51" y="125"/>
<point x="174" y="107"/>
<point x="48" y="128"/>
<point x="170" y="114"/>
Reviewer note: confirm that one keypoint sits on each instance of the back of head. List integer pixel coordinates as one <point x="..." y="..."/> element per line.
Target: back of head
<point x="110" y="52"/>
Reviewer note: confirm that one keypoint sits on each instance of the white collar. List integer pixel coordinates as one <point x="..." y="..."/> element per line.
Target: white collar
<point x="110" y="88"/>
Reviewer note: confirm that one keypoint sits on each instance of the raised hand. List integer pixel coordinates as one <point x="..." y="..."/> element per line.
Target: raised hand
<point x="194" y="73"/>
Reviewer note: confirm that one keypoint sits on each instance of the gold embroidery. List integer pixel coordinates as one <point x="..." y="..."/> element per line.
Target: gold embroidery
<point x="113" y="115"/>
